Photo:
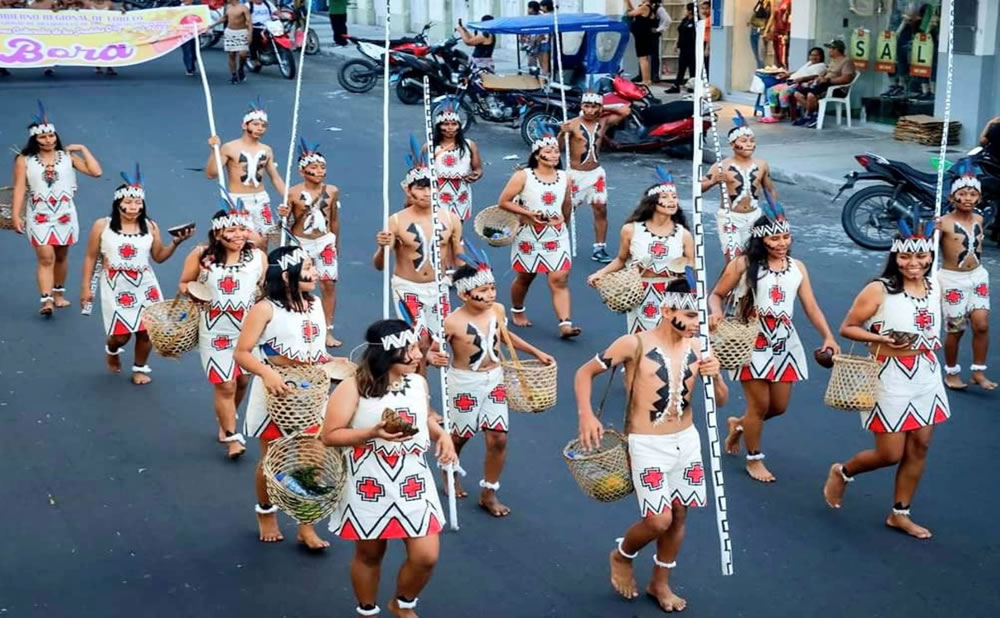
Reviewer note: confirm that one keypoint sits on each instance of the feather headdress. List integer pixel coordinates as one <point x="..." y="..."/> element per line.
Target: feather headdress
<point x="404" y="338"/>
<point x="255" y="112"/>
<point x="235" y="216"/>
<point x="417" y="162"/>
<point x="740" y="128"/>
<point x="309" y="154"/>
<point x="683" y="301"/>
<point x="777" y="222"/>
<point x="965" y="177"/>
<point x="478" y="260"/>
<point x="42" y="123"/>
<point x="133" y="186"/>
<point x="665" y="182"/>
<point x="914" y="237"/>
<point x="447" y="113"/>
<point x="546" y="137"/>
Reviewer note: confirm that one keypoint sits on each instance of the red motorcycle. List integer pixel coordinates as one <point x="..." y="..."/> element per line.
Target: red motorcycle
<point x="272" y="45"/>
<point x="359" y="75"/>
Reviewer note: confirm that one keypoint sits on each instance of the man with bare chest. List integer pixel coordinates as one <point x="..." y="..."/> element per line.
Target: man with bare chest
<point x="743" y="177"/>
<point x="409" y="234"/>
<point x="588" y="181"/>
<point x="477" y="395"/>
<point x="314" y="208"/>
<point x="661" y="368"/>
<point x="246" y="160"/>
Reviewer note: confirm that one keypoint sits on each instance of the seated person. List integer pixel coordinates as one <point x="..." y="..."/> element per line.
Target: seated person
<point x="839" y="72"/>
<point x="781" y="97"/>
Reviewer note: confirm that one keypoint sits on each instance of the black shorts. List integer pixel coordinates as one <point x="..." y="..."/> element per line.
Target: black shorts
<point x="821" y="90"/>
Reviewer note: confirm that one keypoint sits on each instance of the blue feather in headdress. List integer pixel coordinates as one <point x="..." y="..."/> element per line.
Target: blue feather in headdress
<point x="415" y="158"/>
<point x="42" y="116"/>
<point x="256" y="104"/>
<point x="691" y="280"/>
<point x="473" y="256"/>
<point x="739" y="120"/>
<point x="663" y="175"/>
<point x="904" y="228"/>
<point x="772" y="210"/>
<point x="135" y="181"/>
<point x="305" y="148"/>
<point x="404" y="311"/>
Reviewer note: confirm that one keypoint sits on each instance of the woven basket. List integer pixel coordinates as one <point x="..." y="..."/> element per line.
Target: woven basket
<point x="732" y="342"/>
<point x="304" y="454"/>
<point x="621" y="290"/>
<point x="503" y="226"/>
<point x="305" y="406"/>
<point x="531" y="385"/>
<point x="603" y="474"/>
<point x="853" y="383"/>
<point x="172" y="326"/>
<point x="6" y="208"/>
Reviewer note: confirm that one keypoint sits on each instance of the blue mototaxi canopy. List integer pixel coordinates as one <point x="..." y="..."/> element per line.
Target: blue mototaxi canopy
<point x="540" y="24"/>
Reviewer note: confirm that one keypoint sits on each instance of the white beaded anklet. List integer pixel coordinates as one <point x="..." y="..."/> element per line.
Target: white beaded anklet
<point x="621" y="551"/>
<point x="663" y="565"/>
<point x="488" y="485"/>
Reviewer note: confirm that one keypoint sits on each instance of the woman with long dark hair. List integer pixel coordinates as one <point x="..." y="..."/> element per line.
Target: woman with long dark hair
<point x="43" y="207"/>
<point x="231" y="268"/>
<point x="540" y="196"/>
<point x="654" y="237"/>
<point x="456" y="163"/>
<point x="390" y="491"/>
<point x="767" y="281"/>
<point x="899" y="316"/>
<point x="127" y="242"/>
<point x="286" y="328"/>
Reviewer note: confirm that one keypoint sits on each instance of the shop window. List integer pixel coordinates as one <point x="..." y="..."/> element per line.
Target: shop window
<point x="966" y="13"/>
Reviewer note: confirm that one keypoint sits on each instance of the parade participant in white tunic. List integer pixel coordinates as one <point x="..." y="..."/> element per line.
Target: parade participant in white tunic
<point x="246" y="160"/>
<point x="390" y="491"/>
<point x="315" y="223"/>
<point x="285" y="329"/>
<point x="127" y="242"/>
<point x="662" y="366"/>
<point x="456" y="162"/>
<point x="899" y="316"/>
<point x="477" y="394"/>
<point x="767" y="281"/>
<point x="231" y="269"/>
<point x="539" y="195"/>
<point x="743" y="176"/>
<point x="43" y="206"/>
<point x="654" y="236"/>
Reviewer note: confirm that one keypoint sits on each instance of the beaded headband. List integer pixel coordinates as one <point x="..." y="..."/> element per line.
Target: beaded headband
<point x="402" y="339"/>
<point x="417" y="160"/>
<point x="447" y="114"/>
<point x="42" y="124"/>
<point x="256" y="112"/>
<point x="683" y="301"/>
<point x="966" y="179"/>
<point x="777" y="222"/>
<point x="740" y="128"/>
<point x="592" y="97"/>
<point x="484" y="273"/>
<point x="133" y="186"/>
<point x="309" y="154"/>
<point x="915" y="239"/>
<point x="296" y="257"/>
<point x="665" y="183"/>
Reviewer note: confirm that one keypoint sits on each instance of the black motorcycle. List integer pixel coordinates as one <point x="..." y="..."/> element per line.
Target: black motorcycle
<point x="870" y="217"/>
<point x="443" y="65"/>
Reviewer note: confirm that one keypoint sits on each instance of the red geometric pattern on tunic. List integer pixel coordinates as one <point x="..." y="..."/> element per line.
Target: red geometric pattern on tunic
<point x="153" y="295"/>
<point x="328" y="254"/>
<point x="369" y="489"/>
<point x="695" y="473"/>
<point x="465" y="402"/>
<point x="127" y="251"/>
<point x="652" y="478"/>
<point x="982" y="290"/>
<point x="412" y="487"/>
<point x="228" y="284"/>
<point x="953" y="296"/>
<point x="499" y="393"/>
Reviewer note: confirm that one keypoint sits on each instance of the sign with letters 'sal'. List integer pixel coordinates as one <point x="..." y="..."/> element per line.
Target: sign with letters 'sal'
<point x="32" y="38"/>
<point x="861" y="45"/>
<point x="885" y="52"/>
<point x="922" y="55"/>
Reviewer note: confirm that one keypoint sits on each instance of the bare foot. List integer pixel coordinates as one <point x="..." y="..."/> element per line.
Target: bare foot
<point x="235" y="449"/>
<point x="833" y="490"/>
<point x="308" y="537"/>
<point x="140" y="378"/>
<point x="520" y="319"/>
<point x="114" y="362"/>
<point x="568" y="331"/>
<point x="400" y="613"/>
<point x="979" y="378"/>
<point x="903" y="523"/>
<point x="733" y="439"/>
<point x="622" y="578"/>
<point x="665" y="597"/>
<point x="269" y="531"/>
<point x="60" y="300"/>
<point x="955" y="383"/>
<point x="759" y="472"/>
<point x="333" y="342"/>
<point x="459" y="492"/>
<point x="47" y="307"/>
<point x="488" y="500"/>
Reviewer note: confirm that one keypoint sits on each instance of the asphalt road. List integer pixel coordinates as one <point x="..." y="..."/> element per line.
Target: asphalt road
<point x="116" y="500"/>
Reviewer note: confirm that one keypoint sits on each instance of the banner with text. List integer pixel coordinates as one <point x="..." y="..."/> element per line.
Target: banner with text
<point x="32" y="39"/>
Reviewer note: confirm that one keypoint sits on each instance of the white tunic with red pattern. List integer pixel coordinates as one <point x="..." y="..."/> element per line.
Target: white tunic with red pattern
<point x="777" y="354"/>
<point x="451" y="167"/>
<point x="50" y="217"/>
<point x="910" y="392"/>
<point x="390" y="491"/>
<point x="128" y="283"/>
<point x="234" y="289"/>
<point x="542" y="248"/>
<point x="654" y="252"/>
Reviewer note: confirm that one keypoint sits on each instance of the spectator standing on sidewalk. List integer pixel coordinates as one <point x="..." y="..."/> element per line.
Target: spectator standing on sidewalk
<point x="664" y="25"/>
<point x="527" y="42"/>
<point x="338" y="21"/>
<point x="706" y="14"/>
<point x="187" y="49"/>
<point x="687" y="35"/>
<point x="482" y="44"/>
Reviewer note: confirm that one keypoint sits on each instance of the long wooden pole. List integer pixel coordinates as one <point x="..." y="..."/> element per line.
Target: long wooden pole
<point x="386" y="291"/>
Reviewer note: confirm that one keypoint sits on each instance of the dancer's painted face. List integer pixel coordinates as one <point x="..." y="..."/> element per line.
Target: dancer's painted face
<point x="591" y="111"/>
<point x="46" y="141"/>
<point x="314" y="172"/>
<point x="668" y="203"/>
<point x="914" y="265"/>
<point x="131" y="208"/>
<point x="308" y="276"/>
<point x="778" y="245"/>
<point x="966" y="199"/>
<point x="745" y="145"/>
<point x="234" y="238"/>
<point x="419" y="196"/>
<point x="482" y="297"/>
<point x="684" y="323"/>
<point x="256" y="128"/>
<point x="411" y="358"/>
<point x="449" y="129"/>
<point x="549" y="154"/>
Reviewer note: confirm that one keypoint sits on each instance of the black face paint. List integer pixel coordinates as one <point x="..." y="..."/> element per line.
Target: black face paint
<point x="678" y="325"/>
<point x="304" y="279"/>
<point x="478" y="299"/>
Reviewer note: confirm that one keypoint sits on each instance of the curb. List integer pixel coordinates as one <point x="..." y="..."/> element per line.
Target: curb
<point x="817" y="182"/>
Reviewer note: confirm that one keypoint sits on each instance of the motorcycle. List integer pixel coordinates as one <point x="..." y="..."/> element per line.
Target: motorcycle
<point x="359" y="75"/>
<point x="293" y="18"/>
<point x="273" y="47"/>
<point x="443" y="65"/>
<point x="210" y="37"/>
<point x="870" y="216"/>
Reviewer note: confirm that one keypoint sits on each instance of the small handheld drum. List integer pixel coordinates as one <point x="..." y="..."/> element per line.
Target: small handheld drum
<point x="339" y="368"/>
<point x="304" y="478"/>
<point x="200" y="291"/>
<point x="853" y="383"/>
<point x="732" y="342"/>
<point x="172" y="326"/>
<point x="531" y="385"/>
<point x="304" y="407"/>
<point x="621" y="290"/>
<point x="496" y="226"/>
<point x="6" y="208"/>
<point x="604" y="473"/>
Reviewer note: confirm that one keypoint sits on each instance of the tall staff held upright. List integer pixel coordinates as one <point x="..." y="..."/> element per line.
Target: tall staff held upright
<point x="386" y="291"/>
<point x="944" y="128"/>
<point x="562" y="96"/>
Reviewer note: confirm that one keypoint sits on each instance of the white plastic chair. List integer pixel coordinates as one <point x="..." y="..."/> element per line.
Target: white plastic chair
<point x="837" y="102"/>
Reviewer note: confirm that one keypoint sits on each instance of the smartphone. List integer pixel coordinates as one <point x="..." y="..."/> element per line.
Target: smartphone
<point x="177" y="230"/>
